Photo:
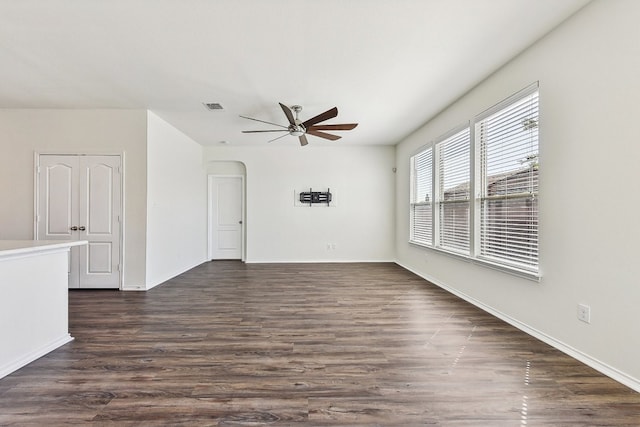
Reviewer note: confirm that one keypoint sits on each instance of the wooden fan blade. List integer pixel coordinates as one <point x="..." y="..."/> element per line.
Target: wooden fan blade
<point x="261" y="131"/>
<point x="323" y="134"/>
<point x="345" y="126"/>
<point x="329" y="114"/>
<point x="263" y="121"/>
<point x="303" y="140"/>
<point x="288" y="113"/>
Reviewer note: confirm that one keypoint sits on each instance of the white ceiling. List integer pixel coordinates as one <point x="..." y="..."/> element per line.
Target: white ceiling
<point x="389" y="65"/>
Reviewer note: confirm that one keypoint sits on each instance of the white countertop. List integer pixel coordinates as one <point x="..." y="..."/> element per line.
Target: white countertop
<point x="18" y="247"/>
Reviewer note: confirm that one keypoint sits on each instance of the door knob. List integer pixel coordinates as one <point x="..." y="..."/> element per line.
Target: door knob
<point x="74" y="228"/>
<point x="82" y="228"/>
<point x="240" y="222"/>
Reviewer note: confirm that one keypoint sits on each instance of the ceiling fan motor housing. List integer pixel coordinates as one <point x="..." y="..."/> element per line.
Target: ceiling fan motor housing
<point x="297" y="129"/>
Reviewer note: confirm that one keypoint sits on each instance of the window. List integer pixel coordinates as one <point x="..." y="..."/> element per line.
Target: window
<point x="453" y="192"/>
<point x="422" y="197"/>
<point x="508" y="140"/>
<point x="498" y="226"/>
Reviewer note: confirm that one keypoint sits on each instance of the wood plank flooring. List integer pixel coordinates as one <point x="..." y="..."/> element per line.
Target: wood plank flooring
<point x="231" y="344"/>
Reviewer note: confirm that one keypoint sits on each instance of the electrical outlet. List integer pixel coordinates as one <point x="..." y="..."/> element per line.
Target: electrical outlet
<point x="584" y="313"/>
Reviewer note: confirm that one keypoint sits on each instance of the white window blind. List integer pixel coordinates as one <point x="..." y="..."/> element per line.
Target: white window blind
<point x="508" y="143"/>
<point x="453" y="192"/>
<point x="422" y="197"/>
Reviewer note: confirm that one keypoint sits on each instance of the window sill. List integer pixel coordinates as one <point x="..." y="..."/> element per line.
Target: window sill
<point x="514" y="271"/>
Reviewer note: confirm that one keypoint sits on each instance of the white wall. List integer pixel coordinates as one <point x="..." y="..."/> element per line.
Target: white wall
<point x="34" y="316"/>
<point x="226" y="168"/>
<point x="23" y="132"/>
<point x="589" y="208"/>
<point x="360" y="226"/>
<point x="176" y="202"/>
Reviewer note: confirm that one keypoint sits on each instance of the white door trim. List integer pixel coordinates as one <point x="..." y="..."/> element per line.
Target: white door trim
<point x="36" y="194"/>
<point x="210" y="215"/>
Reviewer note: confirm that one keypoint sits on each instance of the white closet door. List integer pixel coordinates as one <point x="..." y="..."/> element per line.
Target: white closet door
<point x="99" y="202"/>
<point x="79" y="199"/>
<point x="58" y="210"/>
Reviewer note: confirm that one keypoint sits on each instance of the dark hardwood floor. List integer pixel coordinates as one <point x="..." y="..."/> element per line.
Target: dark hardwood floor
<point x="303" y="344"/>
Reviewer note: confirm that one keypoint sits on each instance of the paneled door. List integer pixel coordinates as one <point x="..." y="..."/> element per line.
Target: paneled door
<point x="225" y="217"/>
<point x="79" y="198"/>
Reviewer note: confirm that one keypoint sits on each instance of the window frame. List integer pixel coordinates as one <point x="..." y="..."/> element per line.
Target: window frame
<point x="416" y="204"/>
<point x="440" y="202"/>
<point x="473" y="254"/>
<point x="516" y="100"/>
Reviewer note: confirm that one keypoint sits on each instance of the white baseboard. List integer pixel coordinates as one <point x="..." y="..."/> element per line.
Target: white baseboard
<point x="133" y="288"/>
<point x="169" y="276"/>
<point x="588" y="360"/>
<point x="14" y="365"/>
<point x="319" y="261"/>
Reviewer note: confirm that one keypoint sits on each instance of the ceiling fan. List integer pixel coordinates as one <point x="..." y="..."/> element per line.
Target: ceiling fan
<point x="308" y="127"/>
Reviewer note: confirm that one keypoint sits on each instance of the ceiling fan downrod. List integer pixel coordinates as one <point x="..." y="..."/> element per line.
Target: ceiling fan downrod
<point x="297" y="129"/>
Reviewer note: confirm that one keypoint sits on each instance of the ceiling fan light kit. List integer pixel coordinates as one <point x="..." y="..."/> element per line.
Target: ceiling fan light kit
<point x="301" y="129"/>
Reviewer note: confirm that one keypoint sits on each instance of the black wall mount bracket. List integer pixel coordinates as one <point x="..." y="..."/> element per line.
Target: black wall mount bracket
<point x="312" y="197"/>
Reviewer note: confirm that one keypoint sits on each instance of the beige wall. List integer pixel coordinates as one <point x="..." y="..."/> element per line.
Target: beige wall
<point x="24" y="132"/>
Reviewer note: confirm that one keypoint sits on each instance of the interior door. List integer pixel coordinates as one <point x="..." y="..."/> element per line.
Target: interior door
<point x="58" y="211"/>
<point x="99" y="204"/>
<point x="225" y="217"/>
<point x="79" y="199"/>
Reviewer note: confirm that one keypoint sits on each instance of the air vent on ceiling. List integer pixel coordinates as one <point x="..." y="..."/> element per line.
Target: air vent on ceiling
<point x="212" y="106"/>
